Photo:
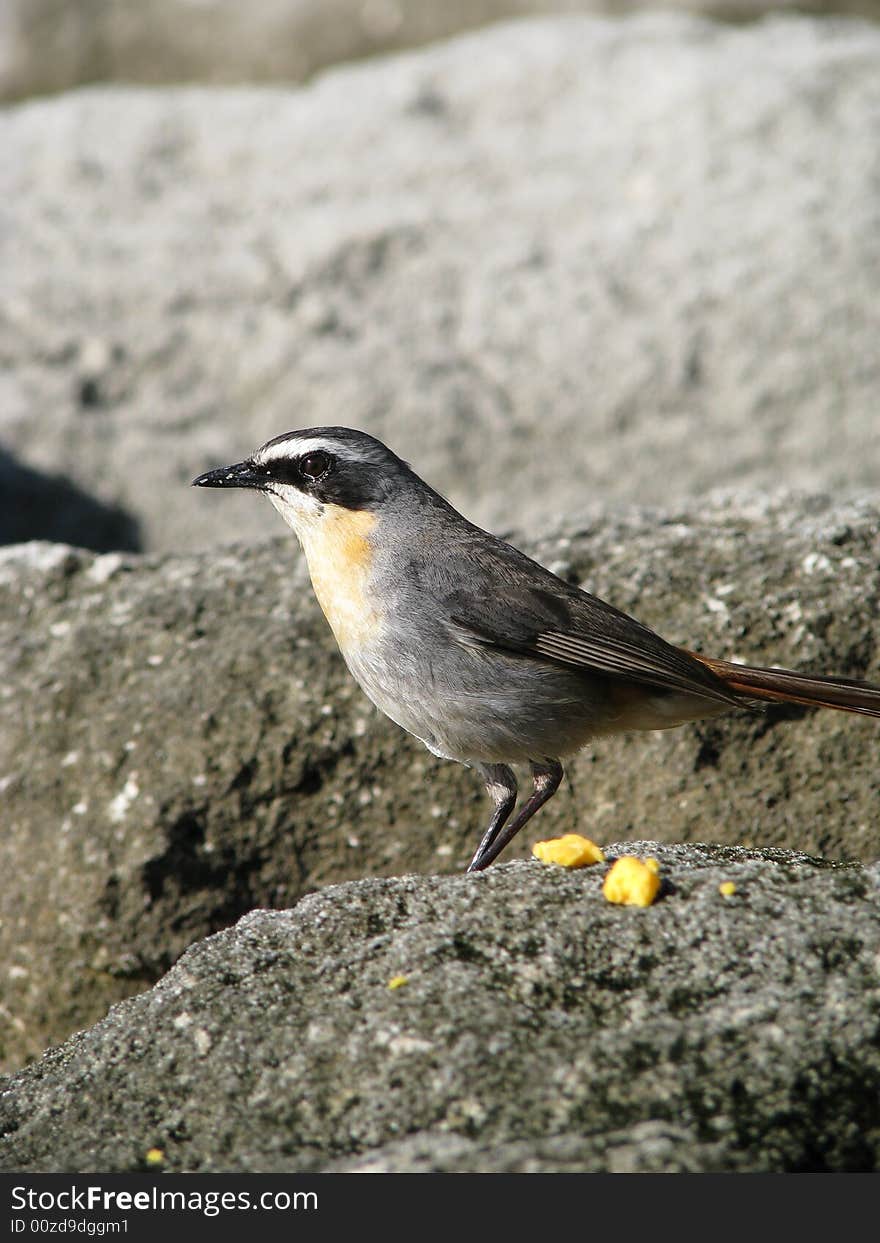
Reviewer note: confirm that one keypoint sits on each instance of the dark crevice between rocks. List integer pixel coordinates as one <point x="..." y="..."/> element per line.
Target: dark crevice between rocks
<point x="220" y="884"/>
<point x="36" y="506"/>
<point x="169" y="884"/>
<point x="709" y="751"/>
<point x="827" y="1090"/>
<point x="182" y="861"/>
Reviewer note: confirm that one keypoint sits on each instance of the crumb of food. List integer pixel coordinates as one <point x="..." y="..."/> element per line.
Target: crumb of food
<point x="155" y="1156"/>
<point x="570" y="851"/>
<point x="632" y="882"/>
<point x="727" y="888"/>
<point x="398" y="981"/>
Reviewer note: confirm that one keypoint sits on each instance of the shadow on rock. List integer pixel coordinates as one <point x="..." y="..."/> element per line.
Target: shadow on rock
<point x="50" y="507"/>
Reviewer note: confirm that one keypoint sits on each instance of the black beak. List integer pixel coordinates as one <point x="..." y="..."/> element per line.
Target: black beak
<point x="242" y="475"/>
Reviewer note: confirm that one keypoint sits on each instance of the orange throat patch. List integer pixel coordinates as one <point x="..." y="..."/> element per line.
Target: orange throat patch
<point x="340" y="559"/>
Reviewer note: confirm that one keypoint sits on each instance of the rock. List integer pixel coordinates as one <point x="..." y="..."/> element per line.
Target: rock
<point x="547" y="262"/>
<point x="180" y="741"/>
<point x="52" y="45"/>
<point x="34" y="506"/>
<point x="538" y="1028"/>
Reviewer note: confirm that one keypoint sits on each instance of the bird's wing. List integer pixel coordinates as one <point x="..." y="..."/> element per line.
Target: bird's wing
<point x="533" y="613"/>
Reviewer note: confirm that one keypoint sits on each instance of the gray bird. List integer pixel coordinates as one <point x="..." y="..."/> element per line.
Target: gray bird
<point x="485" y="656"/>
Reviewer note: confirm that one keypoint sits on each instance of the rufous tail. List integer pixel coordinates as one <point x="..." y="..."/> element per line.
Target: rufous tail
<point x="787" y="686"/>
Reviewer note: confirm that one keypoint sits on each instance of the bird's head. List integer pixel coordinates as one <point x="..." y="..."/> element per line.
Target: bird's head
<point x="311" y="474"/>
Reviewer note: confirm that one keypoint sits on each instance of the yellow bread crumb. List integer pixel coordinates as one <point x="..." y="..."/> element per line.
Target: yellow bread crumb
<point x="631" y="882"/>
<point x="155" y="1156"/>
<point x="398" y="981"/>
<point x="727" y="888"/>
<point x="570" y="851"/>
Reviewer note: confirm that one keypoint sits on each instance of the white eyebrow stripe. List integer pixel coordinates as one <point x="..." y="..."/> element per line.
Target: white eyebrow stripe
<point x="295" y="448"/>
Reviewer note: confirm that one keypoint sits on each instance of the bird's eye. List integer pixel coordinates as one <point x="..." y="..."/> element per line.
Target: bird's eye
<point x="315" y="465"/>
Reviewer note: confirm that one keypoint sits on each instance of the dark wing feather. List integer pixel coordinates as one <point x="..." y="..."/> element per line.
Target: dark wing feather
<point x="524" y="609"/>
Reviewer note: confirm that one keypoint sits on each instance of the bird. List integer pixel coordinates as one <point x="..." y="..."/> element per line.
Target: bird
<point x="481" y="653"/>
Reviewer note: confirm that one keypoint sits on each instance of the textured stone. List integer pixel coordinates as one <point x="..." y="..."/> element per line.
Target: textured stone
<point x="180" y="741"/>
<point x="548" y="262"/>
<point x="51" y="45"/>
<point x="540" y="1028"/>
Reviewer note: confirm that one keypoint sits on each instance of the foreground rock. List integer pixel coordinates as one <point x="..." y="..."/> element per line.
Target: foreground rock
<point x="180" y="741"/>
<point x="538" y="1028"/>
<point x="548" y="263"/>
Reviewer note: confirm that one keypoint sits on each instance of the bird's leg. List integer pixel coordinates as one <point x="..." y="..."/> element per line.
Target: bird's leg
<point x="547" y="777"/>
<point x="501" y="788"/>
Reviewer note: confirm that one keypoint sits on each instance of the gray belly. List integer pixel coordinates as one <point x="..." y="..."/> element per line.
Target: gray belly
<point x="483" y="706"/>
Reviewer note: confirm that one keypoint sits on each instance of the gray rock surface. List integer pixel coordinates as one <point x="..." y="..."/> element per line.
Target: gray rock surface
<point x="180" y="741"/>
<point x="549" y="262"/>
<point x="52" y="45"/>
<point x="540" y="1028"/>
